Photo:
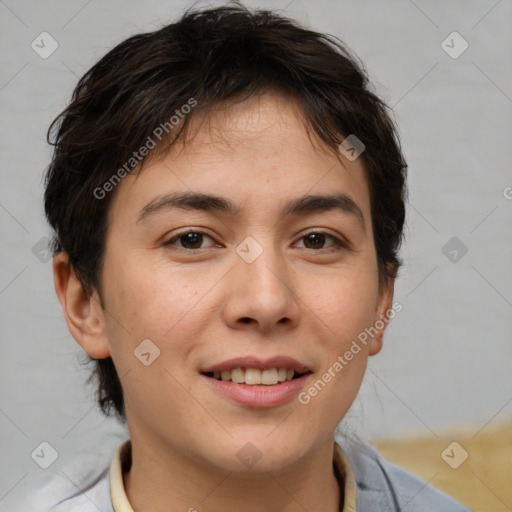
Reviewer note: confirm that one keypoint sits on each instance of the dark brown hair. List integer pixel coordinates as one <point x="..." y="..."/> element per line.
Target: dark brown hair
<point x="211" y="55"/>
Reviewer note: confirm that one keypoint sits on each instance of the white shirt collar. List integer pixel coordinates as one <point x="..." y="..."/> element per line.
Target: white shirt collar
<point x="122" y="461"/>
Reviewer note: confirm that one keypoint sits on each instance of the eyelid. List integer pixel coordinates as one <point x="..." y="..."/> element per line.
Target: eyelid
<point x="176" y="236"/>
<point x="338" y="239"/>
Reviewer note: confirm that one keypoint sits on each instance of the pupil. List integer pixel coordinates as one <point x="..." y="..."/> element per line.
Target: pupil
<point x="191" y="239"/>
<point x="315" y="239"/>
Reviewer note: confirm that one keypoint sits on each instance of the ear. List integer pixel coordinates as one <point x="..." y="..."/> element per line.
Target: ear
<point x="83" y="312"/>
<point x="382" y="313"/>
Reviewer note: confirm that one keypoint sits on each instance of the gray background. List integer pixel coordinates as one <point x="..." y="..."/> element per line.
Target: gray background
<point x="446" y="359"/>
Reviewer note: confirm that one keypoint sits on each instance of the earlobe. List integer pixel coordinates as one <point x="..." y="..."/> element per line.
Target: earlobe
<point x="382" y="314"/>
<point x="82" y="311"/>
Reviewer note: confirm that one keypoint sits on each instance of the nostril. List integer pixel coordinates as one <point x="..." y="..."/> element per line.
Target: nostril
<point x="246" y="320"/>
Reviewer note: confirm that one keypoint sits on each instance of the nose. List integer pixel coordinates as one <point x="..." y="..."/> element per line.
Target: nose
<point x="262" y="294"/>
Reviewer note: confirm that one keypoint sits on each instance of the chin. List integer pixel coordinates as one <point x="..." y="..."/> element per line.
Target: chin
<point x="260" y="451"/>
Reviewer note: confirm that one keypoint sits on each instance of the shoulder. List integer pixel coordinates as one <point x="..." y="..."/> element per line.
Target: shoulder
<point x="93" y="496"/>
<point x="80" y="486"/>
<point x="382" y="485"/>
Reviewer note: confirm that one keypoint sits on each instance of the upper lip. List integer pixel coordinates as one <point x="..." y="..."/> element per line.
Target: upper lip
<point x="257" y="362"/>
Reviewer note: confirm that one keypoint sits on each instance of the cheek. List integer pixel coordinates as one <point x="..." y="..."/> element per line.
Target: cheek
<point x="347" y="304"/>
<point x="343" y="308"/>
<point x="153" y="302"/>
<point x="347" y="308"/>
<point x="151" y="312"/>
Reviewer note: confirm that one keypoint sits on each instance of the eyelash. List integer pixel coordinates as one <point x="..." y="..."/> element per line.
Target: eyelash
<point x="338" y="244"/>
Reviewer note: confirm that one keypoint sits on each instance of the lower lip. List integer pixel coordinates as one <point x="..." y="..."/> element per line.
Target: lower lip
<point x="259" y="395"/>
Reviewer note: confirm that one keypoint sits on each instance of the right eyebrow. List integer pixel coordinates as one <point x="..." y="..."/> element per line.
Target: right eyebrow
<point x="208" y="202"/>
<point x="189" y="201"/>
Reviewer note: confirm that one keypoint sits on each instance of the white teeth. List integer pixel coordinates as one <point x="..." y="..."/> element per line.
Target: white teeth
<point x="252" y="376"/>
<point x="269" y="377"/>
<point x="255" y="376"/>
<point x="237" y="375"/>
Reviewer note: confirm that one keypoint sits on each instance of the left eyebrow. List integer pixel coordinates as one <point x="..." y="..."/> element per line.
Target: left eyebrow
<point x="323" y="203"/>
<point x="208" y="202"/>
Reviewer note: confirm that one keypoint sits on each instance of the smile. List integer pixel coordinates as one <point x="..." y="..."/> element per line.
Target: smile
<point x="254" y="382"/>
<point x="255" y="376"/>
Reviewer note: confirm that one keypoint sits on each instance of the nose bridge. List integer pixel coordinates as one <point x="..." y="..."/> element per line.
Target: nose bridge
<point x="262" y="291"/>
<point x="262" y="266"/>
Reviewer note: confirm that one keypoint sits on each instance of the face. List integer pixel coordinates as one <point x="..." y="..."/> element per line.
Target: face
<point x="259" y="284"/>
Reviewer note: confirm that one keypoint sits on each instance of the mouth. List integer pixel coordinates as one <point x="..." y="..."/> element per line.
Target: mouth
<point x="254" y="382"/>
<point x="256" y="376"/>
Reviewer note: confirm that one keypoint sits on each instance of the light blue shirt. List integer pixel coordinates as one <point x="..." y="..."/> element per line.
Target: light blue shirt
<point x="381" y="486"/>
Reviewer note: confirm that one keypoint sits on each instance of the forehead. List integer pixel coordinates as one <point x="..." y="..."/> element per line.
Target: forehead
<point x="258" y="152"/>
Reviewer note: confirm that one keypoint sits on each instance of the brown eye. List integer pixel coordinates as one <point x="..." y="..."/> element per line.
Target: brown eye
<point x="191" y="240"/>
<point x="317" y="240"/>
<point x="314" y="240"/>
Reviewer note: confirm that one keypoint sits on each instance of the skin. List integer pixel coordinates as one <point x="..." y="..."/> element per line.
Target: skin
<point x="304" y="301"/>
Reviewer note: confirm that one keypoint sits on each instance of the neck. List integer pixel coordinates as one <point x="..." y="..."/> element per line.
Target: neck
<point x="174" y="482"/>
